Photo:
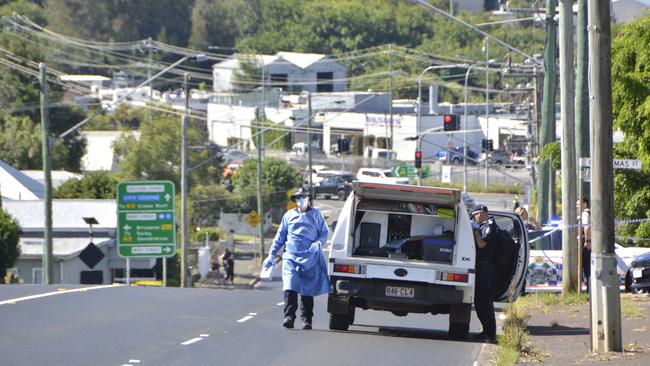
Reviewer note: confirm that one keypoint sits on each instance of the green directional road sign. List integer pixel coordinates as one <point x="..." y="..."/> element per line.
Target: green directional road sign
<point x="145" y="219"/>
<point x="410" y="171"/>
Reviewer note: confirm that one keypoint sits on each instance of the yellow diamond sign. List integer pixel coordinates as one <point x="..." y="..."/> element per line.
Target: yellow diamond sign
<point x="253" y="218"/>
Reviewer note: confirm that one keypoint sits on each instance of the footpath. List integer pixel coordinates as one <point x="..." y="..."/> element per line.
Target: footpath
<point x="560" y="334"/>
<point x="247" y="269"/>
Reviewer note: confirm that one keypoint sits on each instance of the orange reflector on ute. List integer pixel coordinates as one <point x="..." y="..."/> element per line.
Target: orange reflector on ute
<point x="454" y="277"/>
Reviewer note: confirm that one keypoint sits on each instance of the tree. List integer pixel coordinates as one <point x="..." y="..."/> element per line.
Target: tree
<point x="9" y="248"/>
<point x="93" y="185"/>
<point x="157" y="154"/>
<point x="236" y="18"/>
<point x="631" y="111"/>
<point x="278" y="177"/>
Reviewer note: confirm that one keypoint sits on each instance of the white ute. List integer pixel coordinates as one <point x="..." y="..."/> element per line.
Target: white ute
<point x="410" y="249"/>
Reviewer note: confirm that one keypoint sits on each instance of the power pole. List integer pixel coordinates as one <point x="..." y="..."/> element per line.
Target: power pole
<point x="582" y="94"/>
<point x="605" y="294"/>
<point x="309" y="119"/>
<point x="547" y="133"/>
<point x="184" y="229"/>
<point x="569" y="247"/>
<point x="48" y="258"/>
<point x="149" y="59"/>
<point x="487" y="111"/>
<point x="260" y="172"/>
<point x="390" y="97"/>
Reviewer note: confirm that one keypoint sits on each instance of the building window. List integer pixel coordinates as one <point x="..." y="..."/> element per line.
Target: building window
<point x="280" y="81"/>
<point x="324" y="82"/>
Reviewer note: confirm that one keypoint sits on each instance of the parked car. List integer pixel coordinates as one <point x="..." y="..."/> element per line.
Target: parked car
<point x="333" y="185"/>
<point x="300" y="148"/>
<point x="456" y="155"/>
<point x="498" y="157"/>
<point x="376" y="175"/>
<point x="315" y="169"/>
<point x="545" y="261"/>
<point x="346" y="176"/>
<point x="640" y="273"/>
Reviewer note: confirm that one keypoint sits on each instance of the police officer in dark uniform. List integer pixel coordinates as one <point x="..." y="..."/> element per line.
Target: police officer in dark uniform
<point x="485" y="235"/>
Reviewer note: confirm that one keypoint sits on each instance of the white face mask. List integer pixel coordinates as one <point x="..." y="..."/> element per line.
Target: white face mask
<point x="302" y="203"/>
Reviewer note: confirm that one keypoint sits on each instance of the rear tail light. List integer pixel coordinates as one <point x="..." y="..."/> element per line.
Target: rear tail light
<point x="453" y="277"/>
<point x="349" y="268"/>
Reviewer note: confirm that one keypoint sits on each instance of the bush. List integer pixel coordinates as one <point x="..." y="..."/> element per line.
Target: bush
<point x="9" y="249"/>
<point x="213" y="234"/>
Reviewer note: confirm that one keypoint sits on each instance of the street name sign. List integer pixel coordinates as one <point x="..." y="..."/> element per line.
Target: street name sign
<point x="146" y="225"/>
<point x="618" y="163"/>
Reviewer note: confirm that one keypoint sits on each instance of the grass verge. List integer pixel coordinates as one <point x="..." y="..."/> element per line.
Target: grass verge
<point x="479" y="187"/>
<point x="631" y="309"/>
<point x="542" y="301"/>
<point x="514" y="339"/>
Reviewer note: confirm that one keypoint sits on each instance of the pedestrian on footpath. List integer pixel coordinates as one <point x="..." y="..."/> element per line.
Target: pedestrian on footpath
<point x="228" y="261"/>
<point x="584" y="237"/>
<point x="485" y="232"/>
<point x="303" y="233"/>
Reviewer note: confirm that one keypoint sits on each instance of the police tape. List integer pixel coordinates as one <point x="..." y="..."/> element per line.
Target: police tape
<point x="573" y="226"/>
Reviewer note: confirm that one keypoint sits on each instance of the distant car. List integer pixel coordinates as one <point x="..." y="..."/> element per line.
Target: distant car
<point x="375" y="175"/>
<point x="456" y="155"/>
<point x="639" y="280"/>
<point x="315" y="169"/>
<point x="495" y="157"/>
<point x="545" y="261"/>
<point x="235" y="156"/>
<point x="333" y="185"/>
<point x="349" y="177"/>
<point x="300" y="148"/>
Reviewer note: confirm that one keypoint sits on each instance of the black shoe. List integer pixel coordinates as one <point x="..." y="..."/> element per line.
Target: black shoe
<point x="288" y="322"/>
<point x="486" y="338"/>
<point x="306" y="324"/>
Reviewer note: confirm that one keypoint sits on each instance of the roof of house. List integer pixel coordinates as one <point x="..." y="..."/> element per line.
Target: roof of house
<point x="17" y="185"/>
<point x="66" y="214"/>
<point x="301" y="60"/>
<point x="58" y="176"/>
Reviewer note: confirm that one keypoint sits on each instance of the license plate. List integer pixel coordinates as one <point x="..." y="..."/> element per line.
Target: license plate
<point x="637" y="272"/>
<point x="393" y="291"/>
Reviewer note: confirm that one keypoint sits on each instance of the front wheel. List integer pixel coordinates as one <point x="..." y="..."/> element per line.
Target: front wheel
<point x="340" y="321"/>
<point x="341" y="195"/>
<point x="327" y="196"/>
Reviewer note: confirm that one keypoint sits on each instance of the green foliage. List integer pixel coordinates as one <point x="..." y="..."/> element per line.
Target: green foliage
<point x="156" y="155"/>
<point x="236" y="18"/>
<point x="278" y="177"/>
<point x="119" y="20"/>
<point x="97" y="185"/>
<point x="631" y="111"/>
<point x="277" y="138"/>
<point x="213" y="234"/>
<point x="553" y="153"/>
<point x="9" y="248"/>
<point x="124" y="117"/>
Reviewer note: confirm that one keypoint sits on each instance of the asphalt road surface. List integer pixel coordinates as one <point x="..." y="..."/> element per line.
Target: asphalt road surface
<point x="170" y="326"/>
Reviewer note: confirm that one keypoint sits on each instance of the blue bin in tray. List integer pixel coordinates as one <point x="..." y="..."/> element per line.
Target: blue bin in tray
<point x="437" y="249"/>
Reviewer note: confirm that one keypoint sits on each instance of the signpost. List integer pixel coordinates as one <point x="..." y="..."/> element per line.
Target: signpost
<point x="585" y="166"/>
<point x="253" y="218"/>
<point x="146" y="225"/>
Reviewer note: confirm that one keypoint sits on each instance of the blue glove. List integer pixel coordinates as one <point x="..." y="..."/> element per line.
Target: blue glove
<point x="475" y="225"/>
<point x="268" y="262"/>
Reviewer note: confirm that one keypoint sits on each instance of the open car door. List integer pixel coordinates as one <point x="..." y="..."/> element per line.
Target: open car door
<point x="510" y="260"/>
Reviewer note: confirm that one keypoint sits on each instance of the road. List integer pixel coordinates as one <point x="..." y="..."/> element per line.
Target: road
<point x="170" y="326"/>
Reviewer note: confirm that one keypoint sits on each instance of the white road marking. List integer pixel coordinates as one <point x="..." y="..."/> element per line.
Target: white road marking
<point x="53" y="293"/>
<point x="190" y="341"/>
<point x="204" y="335"/>
<point x="126" y="364"/>
<point x="280" y="303"/>
<point x="252" y="314"/>
<point x="134" y="361"/>
<point x="246" y="318"/>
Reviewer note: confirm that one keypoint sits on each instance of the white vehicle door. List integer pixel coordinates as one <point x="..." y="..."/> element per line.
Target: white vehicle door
<point x="511" y="263"/>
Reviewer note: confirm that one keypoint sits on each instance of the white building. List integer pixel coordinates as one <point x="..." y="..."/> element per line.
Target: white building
<point x="17" y="185"/>
<point x="99" y="150"/>
<point x="289" y="71"/>
<point x="69" y="239"/>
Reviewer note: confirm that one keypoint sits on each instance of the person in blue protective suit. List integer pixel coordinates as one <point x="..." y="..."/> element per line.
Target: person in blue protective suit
<point x="303" y="233"/>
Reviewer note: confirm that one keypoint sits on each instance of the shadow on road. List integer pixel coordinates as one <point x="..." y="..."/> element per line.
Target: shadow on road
<point x="553" y="330"/>
<point x="404" y="332"/>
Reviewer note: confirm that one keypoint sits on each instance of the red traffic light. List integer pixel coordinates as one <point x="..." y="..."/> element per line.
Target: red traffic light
<point x="447" y="118"/>
<point x="418" y="154"/>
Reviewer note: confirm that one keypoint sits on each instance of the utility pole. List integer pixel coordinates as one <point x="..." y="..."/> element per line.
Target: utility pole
<point x="582" y="94"/>
<point x="390" y="97"/>
<point x="149" y="59"/>
<point x="263" y="120"/>
<point x="184" y="177"/>
<point x="309" y="119"/>
<point x="605" y="294"/>
<point x="48" y="258"/>
<point x="547" y="133"/>
<point x="569" y="247"/>
<point x="487" y="111"/>
<point x="260" y="172"/>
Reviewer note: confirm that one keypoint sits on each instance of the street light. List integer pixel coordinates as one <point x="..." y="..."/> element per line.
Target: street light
<point x="47" y="242"/>
<point x="419" y="106"/>
<point x="465" y="133"/>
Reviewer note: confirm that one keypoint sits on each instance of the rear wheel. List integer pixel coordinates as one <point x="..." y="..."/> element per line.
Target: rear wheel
<point x="341" y="195"/>
<point x="458" y="330"/>
<point x="340" y="321"/>
<point x="327" y="196"/>
<point x="455" y="161"/>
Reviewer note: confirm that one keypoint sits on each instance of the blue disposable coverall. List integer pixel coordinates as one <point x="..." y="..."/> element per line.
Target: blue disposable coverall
<point x="303" y="268"/>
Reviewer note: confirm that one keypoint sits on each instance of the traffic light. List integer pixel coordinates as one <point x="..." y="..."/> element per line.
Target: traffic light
<point x="484" y="144"/>
<point x="450" y="122"/>
<point x="418" y="159"/>
<point x="490" y="145"/>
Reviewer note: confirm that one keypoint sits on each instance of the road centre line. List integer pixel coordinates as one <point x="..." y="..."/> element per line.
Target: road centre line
<point x="134" y="361"/>
<point x="280" y="303"/>
<point x="204" y="335"/>
<point x="53" y="293"/>
<point x="247" y="317"/>
<point x="190" y="341"/>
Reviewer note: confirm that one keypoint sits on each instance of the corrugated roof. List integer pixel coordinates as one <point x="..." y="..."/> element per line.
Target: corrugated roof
<point x="66" y="214"/>
<point x="61" y="247"/>
<point x="302" y="60"/>
<point x="14" y="176"/>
